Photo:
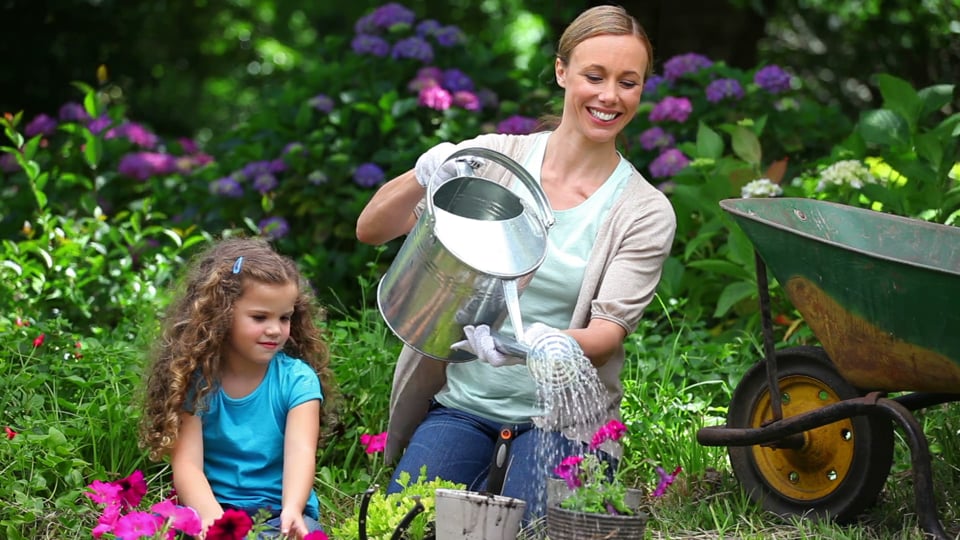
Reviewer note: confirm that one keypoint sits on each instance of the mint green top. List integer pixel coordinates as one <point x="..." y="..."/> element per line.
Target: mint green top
<point x="509" y="394"/>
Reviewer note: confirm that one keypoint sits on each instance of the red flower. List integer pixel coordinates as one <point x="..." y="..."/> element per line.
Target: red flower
<point x="374" y="443"/>
<point x="10" y="433"/>
<point x="38" y="341"/>
<point x="232" y="525"/>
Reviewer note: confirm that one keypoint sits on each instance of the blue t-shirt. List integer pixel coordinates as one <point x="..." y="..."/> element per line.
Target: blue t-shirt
<point x="243" y="438"/>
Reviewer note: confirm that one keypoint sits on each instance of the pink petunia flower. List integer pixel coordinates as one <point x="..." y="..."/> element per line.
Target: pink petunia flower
<point x="316" y="535"/>
<point x="665" y="480"/>
<point x="181" y="518"/>
<point x="136" y="525"/>
<point x="374" y="443"/>
<point x="569" y="471"/>
<point x="105" y="493"/>
<point x="611" y="431"/>
<point x="132" y="489"/>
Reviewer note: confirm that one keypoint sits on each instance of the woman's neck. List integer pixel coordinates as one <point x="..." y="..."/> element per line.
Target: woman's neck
<point x="574" y="168"/>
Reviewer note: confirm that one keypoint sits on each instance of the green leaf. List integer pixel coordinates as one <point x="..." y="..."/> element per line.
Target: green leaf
<point x="30" y="149"/>
<point x="884" y="127"/>
<point x="93" y="149"/>
<point x="709" y="143"/>
<point x="933" y="98"/>
<point x="900" y="97"/>
<point x="720" y="266"/>
<point x="732" y="294"/>
<point x="746" y="145"/>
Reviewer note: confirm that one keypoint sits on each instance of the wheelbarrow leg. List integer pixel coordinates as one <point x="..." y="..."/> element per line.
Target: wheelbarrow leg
<point x="920" y="464"/>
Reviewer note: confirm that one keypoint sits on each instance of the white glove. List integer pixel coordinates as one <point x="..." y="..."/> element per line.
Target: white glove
<point x="436" y="158"/>
<point x="535" y="331"/>
<point x="479" y="342"/>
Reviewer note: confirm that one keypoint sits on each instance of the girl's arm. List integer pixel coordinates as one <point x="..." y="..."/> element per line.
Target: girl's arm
<point x="299" y="465"/>
<point x="390" y="212"/>
<point x="191" y="484"/>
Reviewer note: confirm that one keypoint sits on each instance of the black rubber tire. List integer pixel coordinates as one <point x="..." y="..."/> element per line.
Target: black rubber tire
<point x="866" y="465"/>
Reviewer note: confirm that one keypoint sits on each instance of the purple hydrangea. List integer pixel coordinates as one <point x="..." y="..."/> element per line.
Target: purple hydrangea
<point x="682" y="64"/>
<point x="265" y="183"/>
<point x="322" y="103"/>
<point x="773" y="79"/>
<point x="449" y="36"/>
<point x="368" y="175"/>
<point x="668" y="163"/>
<point x="73" y="112"/>
<point x="226" y="187"/>
<point x="427" y="27"/>
<point x="654" y="83"/>
<point x="41" y="125"/>
<point x="435" y="97"/>
<point x="8" y="163"/>
<point x="414" y="48"/>
<point x="656" y="137"/>
<point x="455" y="80"/>
<point x="721" y="89"/>
<point x="368" y="44"/>
<point x="188" y="145"/>
<point x="135" y="133"/>
<point x="388" y="15"/>
<point x="677" y="109"/>
<point x="488" y="98"/>
<point x="426" y="76"/>
<point x="143" y="165"/>
<point x="99" y="124"/>
<point x="254" y="169"/>
<point x="517" y="125"/>
<point x="274" y="228"/>
<point x="467" y="100"/>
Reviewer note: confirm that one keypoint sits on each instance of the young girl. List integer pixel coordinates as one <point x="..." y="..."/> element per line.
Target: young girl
<point x="235" y="389"/>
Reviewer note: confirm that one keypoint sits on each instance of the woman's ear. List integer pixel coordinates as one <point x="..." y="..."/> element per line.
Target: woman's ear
<point x="561" y="71"/>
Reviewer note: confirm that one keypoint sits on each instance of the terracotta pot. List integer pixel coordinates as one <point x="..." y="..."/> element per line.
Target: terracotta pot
<point x="563" y="524"/>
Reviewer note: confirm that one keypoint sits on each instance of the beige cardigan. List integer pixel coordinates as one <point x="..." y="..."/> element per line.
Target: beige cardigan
<point x="620" y="280"/>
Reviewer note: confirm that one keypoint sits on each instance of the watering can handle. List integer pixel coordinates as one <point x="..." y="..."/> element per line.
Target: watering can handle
<point x="543" y="205"/>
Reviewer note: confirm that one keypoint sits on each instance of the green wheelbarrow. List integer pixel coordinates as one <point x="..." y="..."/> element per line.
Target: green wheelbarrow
<point x="880" y="293"/>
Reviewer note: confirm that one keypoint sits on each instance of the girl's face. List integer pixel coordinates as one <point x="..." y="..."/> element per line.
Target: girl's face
<point x="603" y="82"/>
<point x="261" y="323"/>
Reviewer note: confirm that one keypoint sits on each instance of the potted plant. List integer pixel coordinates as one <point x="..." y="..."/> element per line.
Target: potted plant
<point x="590" y="501"/>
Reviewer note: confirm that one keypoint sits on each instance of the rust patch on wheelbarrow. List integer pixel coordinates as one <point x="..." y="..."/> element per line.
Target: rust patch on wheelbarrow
<point x="869" y="357"/>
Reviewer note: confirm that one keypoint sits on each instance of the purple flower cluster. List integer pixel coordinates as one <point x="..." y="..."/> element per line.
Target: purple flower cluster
<point x="143" y="165"/>
<point x="683" y="64"/>
<point x="41" y="125"/>
<point x="517" y="125"/>
<point x="656" y="137"/>
<point x="773" y="79"/>
<point x="262" y="176"/>
<point x="670" y="108"/>
<point x="720" y="89"/>
<point x="441" y="89"/>
<point x="274" y="228"/>
<point x="370" y="31"/>
<point x="668" y="163"/>
<point x="226" y="187"/>
<point x="654" y="83"/>
<point x="322" y="103"/>
<point x="368" y="175"/>
<point x="135" y="133"/>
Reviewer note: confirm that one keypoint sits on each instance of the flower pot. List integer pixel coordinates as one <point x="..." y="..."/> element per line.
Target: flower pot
<point x="558" y="490"/>
<point x="468" y="515"/>
<point x="563" y="524"/>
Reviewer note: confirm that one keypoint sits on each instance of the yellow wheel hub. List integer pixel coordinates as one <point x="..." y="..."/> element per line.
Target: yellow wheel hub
<point x="821" y="464"/>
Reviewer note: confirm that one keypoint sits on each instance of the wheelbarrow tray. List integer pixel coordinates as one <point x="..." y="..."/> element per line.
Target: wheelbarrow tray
<point x="880" y="292"/>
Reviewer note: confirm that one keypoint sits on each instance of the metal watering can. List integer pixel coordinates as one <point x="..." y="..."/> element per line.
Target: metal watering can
<point x="471" y="253"/>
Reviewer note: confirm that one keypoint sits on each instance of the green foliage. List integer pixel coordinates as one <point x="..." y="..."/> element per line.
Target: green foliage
<point x="385" y="512"/>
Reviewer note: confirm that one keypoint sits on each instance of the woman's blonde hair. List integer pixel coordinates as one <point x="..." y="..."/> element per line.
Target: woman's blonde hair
<point x="186" y="360"/>
<point x="602" y="21"/>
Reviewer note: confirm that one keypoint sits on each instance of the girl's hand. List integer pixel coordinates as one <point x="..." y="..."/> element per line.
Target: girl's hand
<point x="292" y="525"/>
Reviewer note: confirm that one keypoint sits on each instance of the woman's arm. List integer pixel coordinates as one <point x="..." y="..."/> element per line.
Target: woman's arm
<point x="299" y="465"/>
<point x="390" y="212"/>
<point x="599" y="340"/>
<point x="191" y="484"/>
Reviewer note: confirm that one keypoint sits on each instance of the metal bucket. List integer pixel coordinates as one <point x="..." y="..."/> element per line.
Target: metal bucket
<point x="473" y="250"/>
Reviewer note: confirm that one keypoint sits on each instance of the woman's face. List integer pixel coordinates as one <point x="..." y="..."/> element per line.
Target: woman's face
<point x="603" y="82"/>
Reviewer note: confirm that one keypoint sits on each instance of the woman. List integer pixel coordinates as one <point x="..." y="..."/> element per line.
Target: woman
<point x="612" y="234"/>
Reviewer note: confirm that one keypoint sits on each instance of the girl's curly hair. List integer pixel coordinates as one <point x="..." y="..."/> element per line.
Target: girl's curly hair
<point x="196" y="327"/>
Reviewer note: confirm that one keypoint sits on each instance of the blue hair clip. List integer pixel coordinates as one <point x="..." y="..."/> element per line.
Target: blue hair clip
<point x="238" y="265"/>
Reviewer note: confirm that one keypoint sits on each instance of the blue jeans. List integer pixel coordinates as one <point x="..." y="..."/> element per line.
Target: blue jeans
<point x="458" y="446"/>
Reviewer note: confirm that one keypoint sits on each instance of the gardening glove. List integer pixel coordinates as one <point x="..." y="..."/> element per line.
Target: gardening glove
<point x="434" y="161"/>
<point x="535" y="331"/>
<point x="479" y="342"/>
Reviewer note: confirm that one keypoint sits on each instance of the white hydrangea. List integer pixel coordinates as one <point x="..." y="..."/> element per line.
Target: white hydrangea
<point x="848" y="172"/>
<point x="763" y="187"/>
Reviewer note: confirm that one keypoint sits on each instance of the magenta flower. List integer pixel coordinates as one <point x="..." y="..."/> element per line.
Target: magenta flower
<point x="135" y="133"/>
<point x="611" y="431"/>
<point x="181" y="518"/>
<point x="316" y="535"/>
<point x="374" y="443"/>
<point x="232" y="525"/>
<point x="665" y="480"/>
<point x="10" y="432"/>
<point x="569" y="471"/>
<point x="136" y="525"/>
<point x="668" y="163"/>
<point x="132" y="489"/>
<point x="466" y="100"/>
<point x="677" y="109"/>
<point x="105" y="493"/>
<point x="143" y="165"/>
<point x="656" y="137"/>
<point x="435" y="97"/>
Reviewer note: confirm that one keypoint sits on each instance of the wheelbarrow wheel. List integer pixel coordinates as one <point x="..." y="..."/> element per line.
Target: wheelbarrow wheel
<point x="840" y="468"/>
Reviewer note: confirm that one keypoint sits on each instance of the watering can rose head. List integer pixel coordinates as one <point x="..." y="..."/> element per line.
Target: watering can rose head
<point x="593" y="488"/>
